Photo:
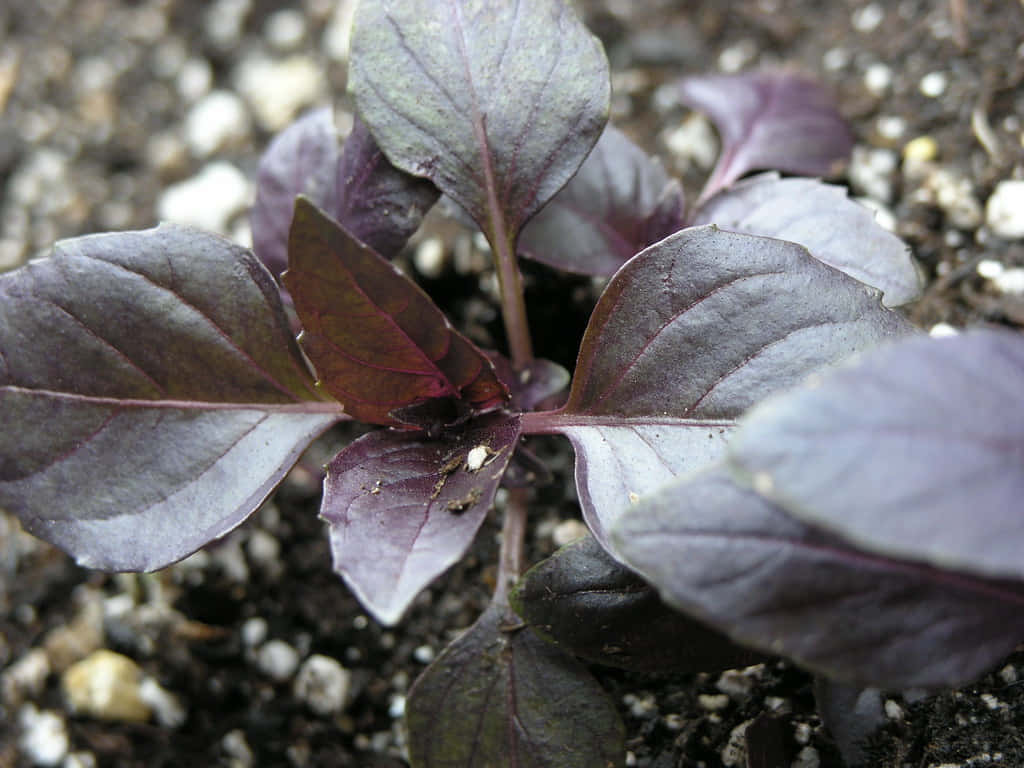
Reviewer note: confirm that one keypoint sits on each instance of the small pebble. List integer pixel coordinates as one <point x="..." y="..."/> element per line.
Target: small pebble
<point x="893" y="710"/>
<point x="802" y="733"/>
<point x="323" y="685"/>
<point x="868" y="18"/>
<point x="734" y="753"/>
<point x="871" y="171"/>
<point x="942" y="330"/>
<point x="167" y="708"/>
<point x="424" y="654"/>
<point x="195" y="79"/>
<point x="429" y="258"/>
<point x="44" y="737"/>
<point x="237" y="748"/>
<point x="277" y="660"/>
<point x="835" y="59"/>
<point x="878" y="78"/>
<point x="207" y="200"/>
<point x="285" y="29"/>
<point x="1008" y="674"/>
<point x="396" y="708"/>
<point x="693" y="143"/>
<point x="277" y="89"/>
<point x="992" y="702"/>
<point x="1004" y="212"/>
<point x="933" y="84"/>
<point x="79" y="760"/>
<point x="25" y="678"/>
<point x="264" y="552"/>
<point x="891" y="127"/>
<point x="105" y="685"/>
<point x="738" y="683"/>
<point x="923" y="149"/>
<point x="713" y="702"/>
<point x="217" y="121"/>
<point x="568" y="531"/>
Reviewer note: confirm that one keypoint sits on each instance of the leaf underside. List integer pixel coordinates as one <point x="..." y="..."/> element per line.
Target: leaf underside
<point x="501" y="697"/>
<point x="496" y="103"/>
<point x="151" y="394"/>
<point x="354" y="182"/>
<point x="820" y="217"/>
<point x="688" y="335"/>
<point x="377" y="341"/>
<point x="734" y="560"/>
<point x="916" y="450"/>
<point x="401" y="509"/>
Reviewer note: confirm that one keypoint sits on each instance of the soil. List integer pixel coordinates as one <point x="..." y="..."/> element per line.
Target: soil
<point x="83" y="112"/>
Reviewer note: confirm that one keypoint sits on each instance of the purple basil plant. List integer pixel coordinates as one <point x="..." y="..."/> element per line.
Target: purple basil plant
<point x="769" y="458"/>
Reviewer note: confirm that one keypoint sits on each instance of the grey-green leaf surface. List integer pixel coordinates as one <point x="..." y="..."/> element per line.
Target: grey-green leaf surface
<point x="915" y="451"/>
<point x="496" y="103"/>
<point x="151" y="394"/>
<point x="688" y="335"/>
<point x="820" y="217"/>
<point x="500" y="697"/>
<point x="736" y="561"/>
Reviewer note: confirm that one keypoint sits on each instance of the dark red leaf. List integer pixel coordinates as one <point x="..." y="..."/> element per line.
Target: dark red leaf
<point x="376" y="339"/>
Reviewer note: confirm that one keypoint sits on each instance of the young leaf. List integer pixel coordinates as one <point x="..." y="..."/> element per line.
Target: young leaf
<point x="585" y="602"/>
<point x="377" y="341"/>
<point x="687" y="336"/>
<point x="151" y="394"/>
<point x="820" y="217"/>
<point x="301" y="160"/>
<point x="541" y="381"/>
<point x="734" y="560"/>
<point x="769" y="120"/>
<point x="496" y="103"/>
<point x="377" y="203"/>
<point x="501" y="697"/>
<point x="619" y="202"/>
<point x="402" y="509"/>
<point x="915" y="452"/>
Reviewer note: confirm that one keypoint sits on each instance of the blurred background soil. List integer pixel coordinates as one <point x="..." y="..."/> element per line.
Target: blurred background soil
<point x="115" y="114"/>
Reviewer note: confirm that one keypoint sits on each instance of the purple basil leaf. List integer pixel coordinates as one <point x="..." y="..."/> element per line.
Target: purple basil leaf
<point x="820" y="217"/>
<point x="852" y="715"/>
<point x="585" y="602"/>
<point x="501" y="697"/>
<point x="355" y="183"/>
<point x="687" y="336"/>
<point x="378" y="342"/>
<point x="914" y="451"/>
<point x="539" y="382"/>
<point x="734" y="560"/>
<point x="379" y="204"/>
<point x="151" y="394"/>
<point x="769" y="121"/>
<point x="402" y="509"/>
<point x="619" y="202"/>
<point x="301" y="160"/>
<point x="496" y="103"/>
